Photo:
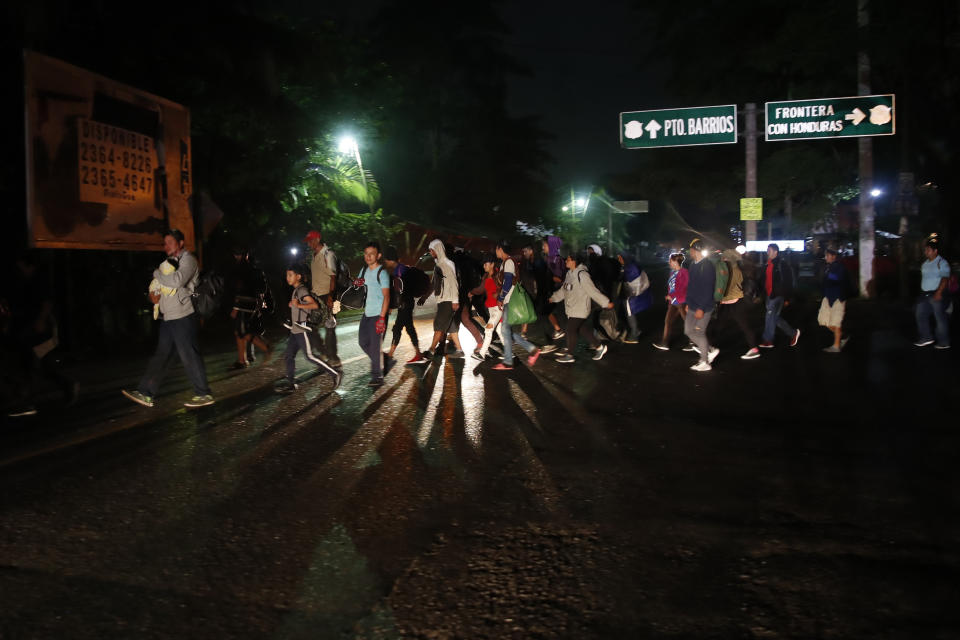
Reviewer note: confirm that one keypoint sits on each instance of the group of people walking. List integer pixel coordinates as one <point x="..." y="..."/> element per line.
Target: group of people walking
<point x="569" y="296"/>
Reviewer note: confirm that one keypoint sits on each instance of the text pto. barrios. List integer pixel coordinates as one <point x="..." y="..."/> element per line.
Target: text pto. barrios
<point x="807" y="126"/>
<point x="673" y="127"/>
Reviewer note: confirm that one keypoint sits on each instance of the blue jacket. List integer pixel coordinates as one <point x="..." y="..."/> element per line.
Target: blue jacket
<point x="703" y="278"/>
<point x="642" y="302"/>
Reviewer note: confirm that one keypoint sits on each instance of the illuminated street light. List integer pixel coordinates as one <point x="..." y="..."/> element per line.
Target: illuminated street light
<point x="348" y="144"/>
<point x="876" y="193"/>
<point x="293" y="251"/>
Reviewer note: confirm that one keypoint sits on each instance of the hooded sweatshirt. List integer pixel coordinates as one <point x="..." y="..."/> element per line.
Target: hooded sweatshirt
<point x="555" y="261"/>
<point x="450" y="291"/>
<point x="577" y="292"/>
<point x="735" y="285"/>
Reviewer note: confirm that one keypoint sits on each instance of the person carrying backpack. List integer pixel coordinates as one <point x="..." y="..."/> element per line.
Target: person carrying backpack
<point x="301" y="303"/>
<point x="637" y="297"/>
<point x="576" y="293"/>
<point x="178" y="328"/>
<point x="411" y="286"/>
<point x="248" y="294"/>
<point x="376" y="310"/>
<point x="323" y="282"/>
<point x="732" y="305"/>
<point x="447" y="290"/>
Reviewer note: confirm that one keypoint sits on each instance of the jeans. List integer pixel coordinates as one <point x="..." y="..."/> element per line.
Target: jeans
<point x="508" y="337"/>
<point x="178" y="336"/>
<point x="372" y="342"/>
<point x="696" y="330"/>
<point x="774" y="321"/>
<point x="927" y="306"/>
<point x="494" y="319"/>
<point x="673" y="310"/>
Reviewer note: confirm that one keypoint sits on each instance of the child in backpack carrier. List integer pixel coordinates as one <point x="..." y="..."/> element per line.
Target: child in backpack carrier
<point x="301" y="302"/>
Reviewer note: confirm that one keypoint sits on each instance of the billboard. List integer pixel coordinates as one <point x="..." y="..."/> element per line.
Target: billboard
<point x="108" y="165"/>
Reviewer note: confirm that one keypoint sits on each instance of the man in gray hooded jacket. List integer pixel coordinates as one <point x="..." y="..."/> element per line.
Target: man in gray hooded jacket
<point x="178" y="328"/>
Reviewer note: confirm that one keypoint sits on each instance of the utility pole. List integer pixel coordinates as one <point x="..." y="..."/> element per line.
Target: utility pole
<point x="750" y="135"/>
<point x="867" y="238"/>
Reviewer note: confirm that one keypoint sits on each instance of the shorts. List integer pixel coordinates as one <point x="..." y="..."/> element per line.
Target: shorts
<point x="831" y="315"/>
<point x="446" y="320"/>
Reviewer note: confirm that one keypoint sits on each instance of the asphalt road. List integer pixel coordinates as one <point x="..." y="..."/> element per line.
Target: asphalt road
<point x="800" y="495"/>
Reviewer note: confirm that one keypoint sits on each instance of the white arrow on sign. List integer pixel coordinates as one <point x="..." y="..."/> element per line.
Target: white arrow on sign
<point x="857" y="116"/>
<point x="652" y="127"/>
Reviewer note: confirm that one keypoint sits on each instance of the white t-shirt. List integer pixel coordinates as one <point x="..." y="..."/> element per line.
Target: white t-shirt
<point x="510" y="267"/>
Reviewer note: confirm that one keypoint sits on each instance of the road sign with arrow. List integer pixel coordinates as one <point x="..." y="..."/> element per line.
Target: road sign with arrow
<point x="856" y="116"/>
<point x="678" y="127"/>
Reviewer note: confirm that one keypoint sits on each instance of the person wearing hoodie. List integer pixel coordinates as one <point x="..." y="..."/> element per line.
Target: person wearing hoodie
<point x="550" y="321"/>
<point x="637" y="296"/>
<point x="734" y="306"/>
<point x="576" y="293"/>
<point x="447" y="290"/>
<point x="700" y="305"/>
<point x="507" y="336"/>
<point x="676" y="298"/>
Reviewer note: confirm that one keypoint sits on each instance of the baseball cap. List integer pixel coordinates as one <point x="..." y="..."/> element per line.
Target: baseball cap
<point x="313" y="235"/>
<point x="696" y="243"/>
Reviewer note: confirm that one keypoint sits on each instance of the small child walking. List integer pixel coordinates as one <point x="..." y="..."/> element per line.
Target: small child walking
<point x="301" y="302"/>
<point x="491" y="291"/>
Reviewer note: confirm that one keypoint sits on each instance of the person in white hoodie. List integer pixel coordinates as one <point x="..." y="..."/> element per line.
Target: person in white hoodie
<point x="447" y="290"/>
<point x="577" y="292"/>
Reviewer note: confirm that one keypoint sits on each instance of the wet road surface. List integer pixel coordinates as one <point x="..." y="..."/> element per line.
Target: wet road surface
<point x="801" y="495"/>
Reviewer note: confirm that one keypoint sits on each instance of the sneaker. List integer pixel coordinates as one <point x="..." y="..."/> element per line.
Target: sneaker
<point x="337" y="378"/>
<point x="548" y="348"/>
<point x="476" y="355"/>
<point x="844" y="341"/>
<point x="701" y="366"/>
<point x="375" y="383"/>
<point x="566" y="358"/>
<point x="796" y="337"/>
<point x="559" y="334"/>
<point x="238" y="365"/>
<point x="691" y="348"/>
<point x="941" y="346"/>
<point x="601" y="350"/>
<point x="629" y="340"/>
<point x="832" y="349"/>
<point x="751" y="354"/>
<point x="661" y="346"/>
<point x="286" y="387"/>
<point x="199" y="401"/>
<point x="712" y="354"/>
<point x="20" y="412"/>
<point x="532" y="360"/>
<point x="457" y="355"/>
<point x="425" y="358"/>
<point x="417" y="359"/>
<point x="766" y="345"/>
<point x="923" y="343"/>
<point x="139" y="398"/>
<point x="502" y="367"/>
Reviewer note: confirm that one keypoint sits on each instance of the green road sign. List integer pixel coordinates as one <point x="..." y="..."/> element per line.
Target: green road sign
<point x="751" y="208"/>
<point x="856" y="116"/>
<point x="678" y="127"/>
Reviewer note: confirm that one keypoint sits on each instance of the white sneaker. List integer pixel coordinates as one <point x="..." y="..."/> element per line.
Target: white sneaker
<point x="701" y="366"/>
<point x="712" y="354"/>
<point x="751" y="354"/>
<point x="548" y="348"/>
<point x="601" y="350"/>
<point x="559" y="334"/>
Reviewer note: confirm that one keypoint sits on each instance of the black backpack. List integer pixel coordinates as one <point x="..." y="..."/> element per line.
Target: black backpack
<point x="416" y="283"/>
<point x="343" y="281"/>
<point x="208" y="293"/>
<point x="355" y="297"/>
